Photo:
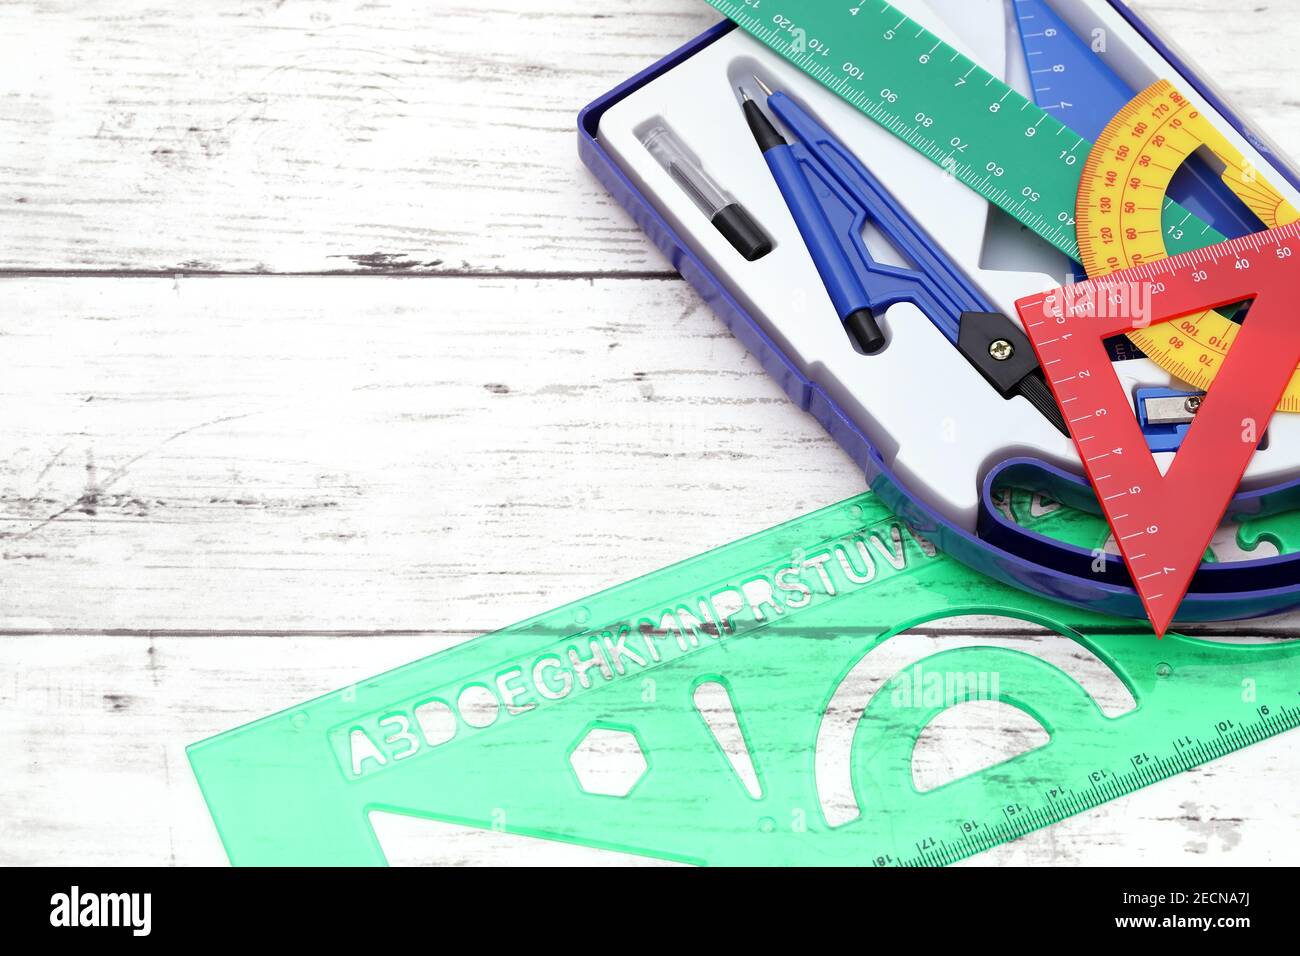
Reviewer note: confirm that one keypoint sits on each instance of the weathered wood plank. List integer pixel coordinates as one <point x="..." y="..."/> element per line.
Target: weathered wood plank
<point x="371" y="136"/>
<point x="368" y="453"/>
<point x="315" y="136"/>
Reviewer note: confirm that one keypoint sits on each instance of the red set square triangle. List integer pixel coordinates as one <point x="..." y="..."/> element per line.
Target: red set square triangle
<point x="1164" y="523"/>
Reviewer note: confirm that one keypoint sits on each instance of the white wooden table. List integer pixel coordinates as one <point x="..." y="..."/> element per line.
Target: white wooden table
<point x="321" y="352"/>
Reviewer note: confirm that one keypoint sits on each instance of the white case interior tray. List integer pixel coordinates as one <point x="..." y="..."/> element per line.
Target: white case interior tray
<point x="929" y="412"/>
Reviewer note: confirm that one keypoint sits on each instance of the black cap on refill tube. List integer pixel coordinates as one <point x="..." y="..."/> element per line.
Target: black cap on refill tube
<point x="724" y="212"/>
<point x="739" y="229"/>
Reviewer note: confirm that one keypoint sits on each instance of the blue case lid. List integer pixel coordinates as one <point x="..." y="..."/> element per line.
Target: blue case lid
<point x="1025" y="567"/>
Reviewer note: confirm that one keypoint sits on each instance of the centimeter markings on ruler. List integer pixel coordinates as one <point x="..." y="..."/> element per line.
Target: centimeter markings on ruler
<point x="945" y="106"/>
<point x="1017" y="819"/>
<point x="1068" y="79"/>
<point x="926" y="88"/>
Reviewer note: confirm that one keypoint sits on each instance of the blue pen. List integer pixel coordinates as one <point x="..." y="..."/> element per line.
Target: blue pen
<point x="831" y="195"/>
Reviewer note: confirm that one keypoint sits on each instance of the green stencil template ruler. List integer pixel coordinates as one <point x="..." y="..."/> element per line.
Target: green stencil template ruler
<point x="949" y="109"/>
<point x="774" y="637"/>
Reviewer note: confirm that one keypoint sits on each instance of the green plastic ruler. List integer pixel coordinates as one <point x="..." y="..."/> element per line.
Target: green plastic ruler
<point x="507" y="732"/>
<point x="946" y="107"/>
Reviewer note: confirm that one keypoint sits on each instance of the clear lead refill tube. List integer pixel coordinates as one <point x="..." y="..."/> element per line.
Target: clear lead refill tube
<point x="728" y="216"/>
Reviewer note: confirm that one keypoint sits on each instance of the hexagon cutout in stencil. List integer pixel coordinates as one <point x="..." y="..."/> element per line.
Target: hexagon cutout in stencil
<point x="608" y="762"/>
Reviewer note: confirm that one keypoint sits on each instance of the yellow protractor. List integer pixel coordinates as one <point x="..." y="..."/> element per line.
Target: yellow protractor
<point x="1120" y="219"/>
